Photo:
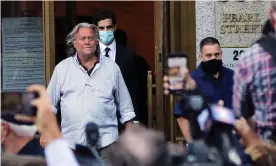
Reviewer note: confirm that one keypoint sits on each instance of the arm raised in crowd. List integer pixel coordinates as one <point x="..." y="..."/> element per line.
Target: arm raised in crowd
<point x="183" y="122"/>
<point x="262" y="153"/>
<point x="57" y="151"/>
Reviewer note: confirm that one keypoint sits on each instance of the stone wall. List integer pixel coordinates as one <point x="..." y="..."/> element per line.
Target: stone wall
<point x="236" y="24"/>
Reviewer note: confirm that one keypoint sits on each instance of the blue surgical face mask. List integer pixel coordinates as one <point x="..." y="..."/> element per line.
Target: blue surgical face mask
<point x="106" y="37"/>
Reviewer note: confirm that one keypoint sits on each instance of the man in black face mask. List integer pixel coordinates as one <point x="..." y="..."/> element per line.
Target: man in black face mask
<point x="212" y="79"/>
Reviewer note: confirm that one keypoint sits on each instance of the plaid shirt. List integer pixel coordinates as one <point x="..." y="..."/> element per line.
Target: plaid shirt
<point x="256" y="71"/>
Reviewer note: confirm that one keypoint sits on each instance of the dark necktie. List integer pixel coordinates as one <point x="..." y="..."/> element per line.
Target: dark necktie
<point x="107" y="49"/>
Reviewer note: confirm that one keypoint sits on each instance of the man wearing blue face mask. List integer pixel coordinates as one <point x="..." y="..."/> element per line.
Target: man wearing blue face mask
<point x="123" y="56"/>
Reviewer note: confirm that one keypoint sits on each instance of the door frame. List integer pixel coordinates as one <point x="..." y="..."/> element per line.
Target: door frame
<point x="49" y="39"/>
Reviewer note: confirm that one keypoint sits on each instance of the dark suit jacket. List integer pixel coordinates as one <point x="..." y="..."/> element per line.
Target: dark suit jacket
<point x="142" y="69"/>
<point x="125" y="59"/>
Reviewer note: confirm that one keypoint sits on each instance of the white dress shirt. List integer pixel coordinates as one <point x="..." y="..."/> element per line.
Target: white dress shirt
<point x="112" y="52"/>
<point x="57" y="153"/>
<point x="95" y="98"/>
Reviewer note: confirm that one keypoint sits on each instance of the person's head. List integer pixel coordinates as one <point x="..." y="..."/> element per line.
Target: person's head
<point x="151" y="148"/>
<point x="14" y="136"/>
<point x="272" y="14"/>
<point x="211" y="55"/>
<point x="84" y="40"/>
<point x="106" y="23"/>
<point x="210" y="49"/>
<point x="22" y="160"/>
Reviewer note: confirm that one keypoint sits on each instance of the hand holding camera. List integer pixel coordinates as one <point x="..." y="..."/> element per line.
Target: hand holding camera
<point x="178" y="78"/>
<point x="32" y="106"/>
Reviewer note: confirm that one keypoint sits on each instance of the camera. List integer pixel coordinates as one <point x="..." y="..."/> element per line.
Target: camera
<point x="176" y="66"/>
<point x="88" y="155"/>
<point x="212" y="131"/>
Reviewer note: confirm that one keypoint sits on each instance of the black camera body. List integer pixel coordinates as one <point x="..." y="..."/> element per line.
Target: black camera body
<point x="198" y="154"/>
<point x="211" y="128"/>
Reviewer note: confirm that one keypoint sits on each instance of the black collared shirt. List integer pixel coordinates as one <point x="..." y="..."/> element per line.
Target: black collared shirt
<point x="85" y="68"/>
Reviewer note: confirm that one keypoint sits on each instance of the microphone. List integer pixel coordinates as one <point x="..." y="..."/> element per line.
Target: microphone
<point x="211" y="127"/>
<point x="89" y="156"/>
<point x="192" y="104"/>
<point x="246" y="104"/>
<point x="217" y="123"/>
<point x="92" y="134"/>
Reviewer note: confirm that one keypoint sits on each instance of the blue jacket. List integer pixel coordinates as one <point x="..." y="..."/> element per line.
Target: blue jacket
<point x="213" y="89"/>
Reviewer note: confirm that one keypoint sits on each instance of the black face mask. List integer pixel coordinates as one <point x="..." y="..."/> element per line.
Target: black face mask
<point x="212" y="66"/>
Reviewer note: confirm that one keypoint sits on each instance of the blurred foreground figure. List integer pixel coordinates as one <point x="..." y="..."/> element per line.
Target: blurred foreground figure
<point x="254" y="94"/>
<point x="22" y="160"/>
<point x="18" y="137"/>
<point x="57" y="151"/>
<point x="139" y="146"/>
<point x="263" y="153"/>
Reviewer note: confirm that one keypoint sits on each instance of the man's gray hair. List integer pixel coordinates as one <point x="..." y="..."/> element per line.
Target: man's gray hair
<point x="152" y="150"/>
<point x="71" y="38"/>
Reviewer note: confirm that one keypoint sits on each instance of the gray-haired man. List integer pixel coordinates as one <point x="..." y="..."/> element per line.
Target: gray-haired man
<point x="86" y="88"/>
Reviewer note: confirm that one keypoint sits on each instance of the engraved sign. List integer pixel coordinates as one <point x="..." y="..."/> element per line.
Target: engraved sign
<point x="23" y="52"/>
<point x="239" y="24"/>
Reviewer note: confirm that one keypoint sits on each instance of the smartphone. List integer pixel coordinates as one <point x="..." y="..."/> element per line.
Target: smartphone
<point x="18" y="103"/>
<point x="176" y="66"/>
